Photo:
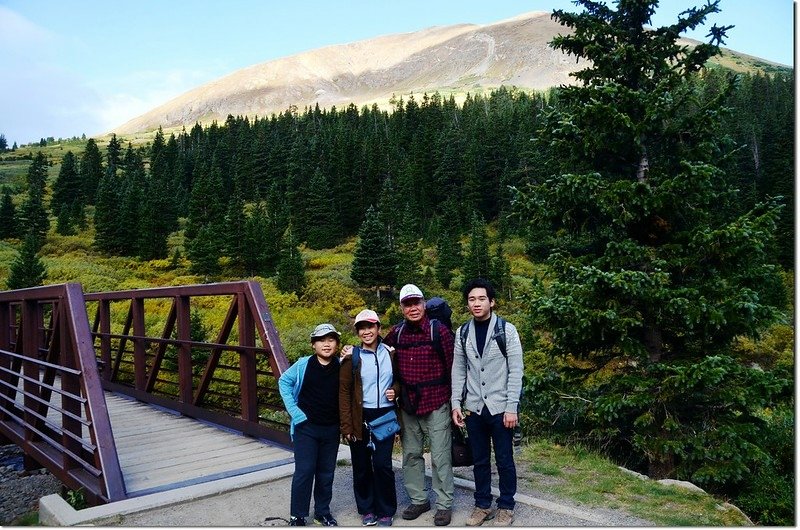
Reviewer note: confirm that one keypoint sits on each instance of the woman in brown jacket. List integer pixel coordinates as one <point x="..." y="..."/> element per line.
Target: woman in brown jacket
<point x="368" y="391"/>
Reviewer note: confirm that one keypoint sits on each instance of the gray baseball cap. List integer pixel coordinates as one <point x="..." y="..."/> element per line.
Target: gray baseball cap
<point x="324" y="329"/>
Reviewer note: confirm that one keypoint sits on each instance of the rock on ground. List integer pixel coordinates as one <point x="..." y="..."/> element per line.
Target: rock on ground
<point x="20" y="490"/>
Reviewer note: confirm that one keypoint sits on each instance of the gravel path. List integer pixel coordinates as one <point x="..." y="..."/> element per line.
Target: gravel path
<point x="267" y="504"/>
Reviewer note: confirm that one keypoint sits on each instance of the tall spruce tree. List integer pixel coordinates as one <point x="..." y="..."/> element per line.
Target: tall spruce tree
<point x="107" y="224"/>
<point x="27" y="269"/>
<point x="90" y="170"/>
<point x="477" y="261"/>
<point x="291" y="269"/>
<point x="322" y="227"/>
<point x="8" y="215"/>
<point x="408" y="248"/>
<point x="500" y="273"/>
<point x="373" y="262"/>
<point x="448" y="254"/>
<point x="668" y="274"/>
<point x="33" y="213"/>
<point x="67" y="192"/>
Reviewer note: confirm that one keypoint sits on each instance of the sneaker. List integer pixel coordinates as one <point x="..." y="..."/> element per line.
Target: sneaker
<point x="503" y="517"/>
<point x="415" y="510"/>
<point x="386" y="521"/>
<point x="325" y="520"/>
<point x="297" y="521"/>
<point x="442" y="517"/>
<point x="479" y="515"/>
<point x="369" y="519"/>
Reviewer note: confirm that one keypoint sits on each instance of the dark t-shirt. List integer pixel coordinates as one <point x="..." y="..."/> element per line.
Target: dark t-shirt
<point x="481" y="328"/>
<point x="319" y="396"/>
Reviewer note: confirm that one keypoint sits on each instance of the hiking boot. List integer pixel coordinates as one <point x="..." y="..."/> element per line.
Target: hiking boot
<point x="479" y="515"/>
<point x="415" y="510"/>
<point x="369" y="519"/>
<point x="386" y="521"/>
<point x="503" y="517"/>
<point x="442" y="517"/>
<point x="325" y="520"/>
<point x="297" y="521"/>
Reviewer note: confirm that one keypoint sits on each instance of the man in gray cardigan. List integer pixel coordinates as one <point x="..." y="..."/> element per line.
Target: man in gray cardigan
<point x="490" y="381"/>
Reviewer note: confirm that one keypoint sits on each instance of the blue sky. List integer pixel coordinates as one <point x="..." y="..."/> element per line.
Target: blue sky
<point x="71" y="67"/>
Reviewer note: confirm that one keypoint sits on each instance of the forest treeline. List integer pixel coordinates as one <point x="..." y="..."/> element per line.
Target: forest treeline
<point x="240" y="184"/>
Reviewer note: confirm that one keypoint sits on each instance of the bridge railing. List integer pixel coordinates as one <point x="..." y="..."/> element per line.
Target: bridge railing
<point x="153" y="345"/>
<point x="51" y="400"/>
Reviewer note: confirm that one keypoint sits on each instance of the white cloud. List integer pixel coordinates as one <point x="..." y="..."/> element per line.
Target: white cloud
<point x="135" y="93"/>
<point x="40" y="98"/>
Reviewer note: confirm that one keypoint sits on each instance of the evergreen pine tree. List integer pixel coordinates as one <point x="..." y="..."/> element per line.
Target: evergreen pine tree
<point x="477" y="262"/>
<point x="27" y="269"/>
<point x="106" y="214"/>
<point x="8" y="215"/>
<point x="204" y="251"/>
<point x="321" y="224"/>
<point x="668" y="273"/>
<point x="113" y="154"/>
<point x="67" y="187"/>
<point x="408" y="249"/>
<point x="33" y="213"/>
<point x="373" y="262"/>
<point x="500" y="272"/>
<point x="291" y="269"/>
<point x="90" y="171"/>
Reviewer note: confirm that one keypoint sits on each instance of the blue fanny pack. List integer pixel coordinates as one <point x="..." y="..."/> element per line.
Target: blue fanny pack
<point x="383" y="427"/>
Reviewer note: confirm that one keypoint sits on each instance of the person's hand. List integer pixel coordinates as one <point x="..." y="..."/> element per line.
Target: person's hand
<point x="458" y="417"/>
<point x="347" y="351"/>
<point x="390" y="394"/>
<point x="510" y="420"/>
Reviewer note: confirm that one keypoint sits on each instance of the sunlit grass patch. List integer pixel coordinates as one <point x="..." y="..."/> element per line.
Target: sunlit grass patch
<point x="590" y="479"/>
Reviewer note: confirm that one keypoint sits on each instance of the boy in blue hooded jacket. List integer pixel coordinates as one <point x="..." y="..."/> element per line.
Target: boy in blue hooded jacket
<point x="310" y="392"/>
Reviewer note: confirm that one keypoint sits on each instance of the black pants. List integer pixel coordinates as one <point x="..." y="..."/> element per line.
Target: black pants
<point x="315" y="450"/>
<point x="373" y="476"/>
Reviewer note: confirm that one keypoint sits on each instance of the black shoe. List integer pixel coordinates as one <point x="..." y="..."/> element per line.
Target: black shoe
<point x="442" y="517"/>
<point x="415" y="510"/>
<point x="297" y="521"/>
<point x="325" y="520"/>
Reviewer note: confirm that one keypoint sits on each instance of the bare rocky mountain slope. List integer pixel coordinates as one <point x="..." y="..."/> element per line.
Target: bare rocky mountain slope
<point x="451" y="59"/>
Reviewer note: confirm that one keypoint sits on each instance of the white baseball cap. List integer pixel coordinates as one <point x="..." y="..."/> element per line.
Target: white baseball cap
<point x="410" y="290"/>
<point x="367" y="315"/>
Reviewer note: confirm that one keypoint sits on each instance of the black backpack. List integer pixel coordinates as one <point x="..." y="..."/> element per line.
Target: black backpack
<point x="499" y="335"/>
<point x="438" y="309"/>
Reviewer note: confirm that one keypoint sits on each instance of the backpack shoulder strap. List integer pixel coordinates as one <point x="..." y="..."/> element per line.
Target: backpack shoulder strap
<point x="436" y="339"/>
<point x="400" y="327"/>
<point x="500" y="334"/>
<point x="464" y="334"/>
<point x="355" y="359"/>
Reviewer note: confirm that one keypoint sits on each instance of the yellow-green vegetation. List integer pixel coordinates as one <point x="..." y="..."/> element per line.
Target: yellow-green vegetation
<point x="590" y="479"/>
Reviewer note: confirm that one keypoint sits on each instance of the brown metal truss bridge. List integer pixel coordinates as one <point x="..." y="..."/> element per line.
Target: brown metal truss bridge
<point x="56" y="369"/>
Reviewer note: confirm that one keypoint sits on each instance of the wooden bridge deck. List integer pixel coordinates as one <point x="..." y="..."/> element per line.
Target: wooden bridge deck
<point x="160" y="450"/>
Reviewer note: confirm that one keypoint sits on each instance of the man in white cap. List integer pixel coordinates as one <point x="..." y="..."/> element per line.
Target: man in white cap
<point x="424" y="358"/>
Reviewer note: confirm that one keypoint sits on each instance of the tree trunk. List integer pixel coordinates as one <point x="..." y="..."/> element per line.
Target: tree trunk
<point x="653" y="343"/>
